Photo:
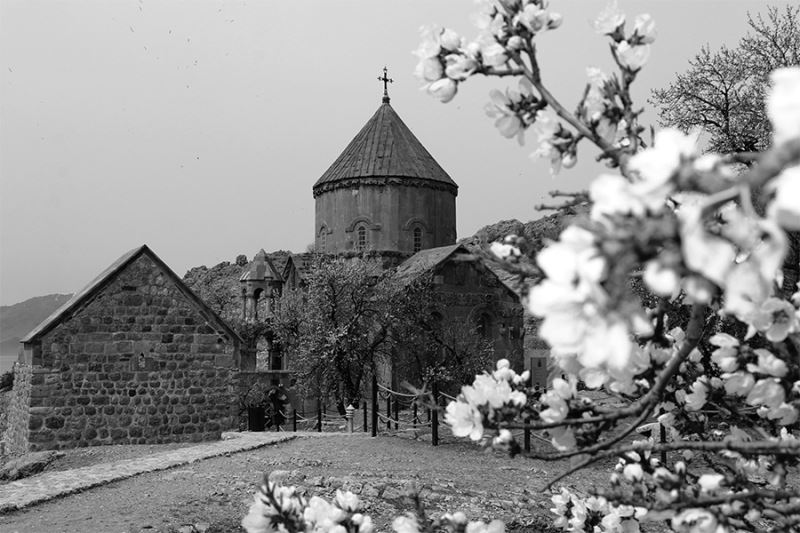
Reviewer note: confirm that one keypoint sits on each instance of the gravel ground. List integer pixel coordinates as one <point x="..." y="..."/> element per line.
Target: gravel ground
<point x="213" y="495"/>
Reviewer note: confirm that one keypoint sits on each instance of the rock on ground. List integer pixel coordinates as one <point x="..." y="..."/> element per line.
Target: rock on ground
<point x="28" y="465"/>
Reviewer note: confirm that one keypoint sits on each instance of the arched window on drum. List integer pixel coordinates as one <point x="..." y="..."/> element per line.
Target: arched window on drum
<point x="417" y="239"/>
<point x="322" y="241"/>
<point x="361" y="238"/>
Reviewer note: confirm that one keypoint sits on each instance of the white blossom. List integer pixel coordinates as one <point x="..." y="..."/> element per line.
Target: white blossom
<point x="405" y="524"/>
<point x="768" y="364"/>
<point x="459" y="66"/>
<point x="609" y="19"/>
<point x="429" y="69"/>
<point x="695" y="521"/>
<point x="533" y="17"/>
<point x="703" y="252"/>
<point x="321" y="514"/>
<point x="785" y="414"/>
<point x="645" y="28"/>
<point x="783" y="103"/>
<point x="555" y="21"/>
<point x="738" y="383"/>
<point x="633" y="471"/>
<point x="785" y="207"/>
<point x="443" y="89"/>
<point x="494" y="55"/>
<point x="660" y="279"/>
<point x="710" y="482"/>
<point x="449" y="40"/>
<point x="725" y="357"/>
<point x="696" y="399"/>
<point x="347" y="501"/>
<point x="656" y="167"/>
<point x="464" y="420"/>
<point x="768" y="392"/>
<point x="257" y="518"/>
<point x="503" y="250"/>
<point x="632" y="57"/>
<point x="495" y="526"/>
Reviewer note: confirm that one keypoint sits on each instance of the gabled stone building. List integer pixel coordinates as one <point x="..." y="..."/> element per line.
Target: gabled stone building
<point x="134" y="357"/>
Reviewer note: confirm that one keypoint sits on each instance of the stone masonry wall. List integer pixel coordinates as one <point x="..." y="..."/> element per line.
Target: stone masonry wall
<point x="138" y="364"/>
<point x="15" y="438"/>
<point x="467" y="290"/>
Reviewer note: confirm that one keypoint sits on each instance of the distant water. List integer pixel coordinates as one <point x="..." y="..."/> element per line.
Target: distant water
<point x="6" y="362"/>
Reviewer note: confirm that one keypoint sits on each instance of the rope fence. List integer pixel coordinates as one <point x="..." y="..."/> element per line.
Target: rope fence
<point x="387" y="412"/>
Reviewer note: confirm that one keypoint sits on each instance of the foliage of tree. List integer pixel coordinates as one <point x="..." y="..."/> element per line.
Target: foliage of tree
<point x="432" y="345"/>
<point x="723" y="90"/>
<point x="337" y="329"/>
<point x="352" y="318"/>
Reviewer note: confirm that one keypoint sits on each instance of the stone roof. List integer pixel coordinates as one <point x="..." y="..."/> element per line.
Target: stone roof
<point x="262" y="268"/>
<point x="426" y="260"/>
<point x="302" y="263"/>
<point x="109" y="274"/>
<point x="385" y="147"/>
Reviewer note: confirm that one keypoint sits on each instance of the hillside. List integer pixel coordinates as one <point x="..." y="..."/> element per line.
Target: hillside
<point x="536" y="232"/>
<point x="18" y="319"/>
<point x="219" y="285"/>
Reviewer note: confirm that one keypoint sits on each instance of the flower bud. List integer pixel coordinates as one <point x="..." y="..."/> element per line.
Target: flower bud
<point x="569" y="160"/>
<point x="443" y="89"/>
<point x="515" y="43"/>
<point x="449" y="40"/>
<point x="645" y="28"/>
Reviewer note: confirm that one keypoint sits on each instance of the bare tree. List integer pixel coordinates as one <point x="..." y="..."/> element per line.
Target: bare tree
<point x="722" y="91"/>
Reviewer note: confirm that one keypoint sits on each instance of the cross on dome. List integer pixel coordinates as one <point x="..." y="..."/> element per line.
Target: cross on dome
<point x="386" y="80"/>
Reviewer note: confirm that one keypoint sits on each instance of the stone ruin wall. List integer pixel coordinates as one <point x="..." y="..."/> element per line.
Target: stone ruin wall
<point x="16" y="433"/>
<point x="139" y="364"/>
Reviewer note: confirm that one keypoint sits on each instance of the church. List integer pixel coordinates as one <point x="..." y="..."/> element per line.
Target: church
<point x="385" y="197"/>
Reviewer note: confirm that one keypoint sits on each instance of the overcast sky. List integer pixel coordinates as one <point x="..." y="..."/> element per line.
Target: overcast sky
<point x="199" y="127"/>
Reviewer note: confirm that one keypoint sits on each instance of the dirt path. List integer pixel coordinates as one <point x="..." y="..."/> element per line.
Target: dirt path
<point x="214" y="494"/>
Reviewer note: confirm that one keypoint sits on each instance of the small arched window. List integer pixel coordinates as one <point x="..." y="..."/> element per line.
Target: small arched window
<point x="417" y="239"/>
<point x="323" y="240"/>
<point x="361" y="238"/>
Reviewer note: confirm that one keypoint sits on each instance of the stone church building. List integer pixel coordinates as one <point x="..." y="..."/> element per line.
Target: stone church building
<point x="386" y="197"/>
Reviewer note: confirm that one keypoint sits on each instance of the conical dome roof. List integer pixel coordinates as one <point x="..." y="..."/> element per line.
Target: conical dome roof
<point x="385" y="148"/>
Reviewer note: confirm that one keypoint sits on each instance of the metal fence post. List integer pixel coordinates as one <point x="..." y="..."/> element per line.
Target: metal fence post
<point x="319" y="416"/>
<point x="294" y="420"/>
<point x="365" y="416"/>
<point x="374" y="405"/>
<point x="435" y="415"/>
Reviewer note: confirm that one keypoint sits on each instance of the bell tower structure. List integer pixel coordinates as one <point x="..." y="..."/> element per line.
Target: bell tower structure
<point x="385" y="192"/>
